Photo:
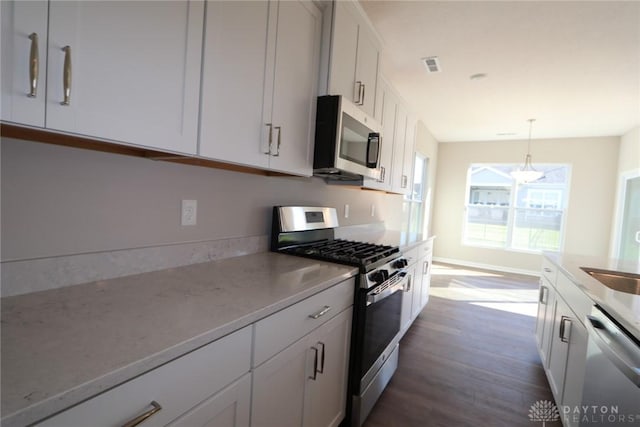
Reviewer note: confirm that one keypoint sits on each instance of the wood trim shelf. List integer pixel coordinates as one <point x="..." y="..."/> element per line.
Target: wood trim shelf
<point x="75" y="141"/>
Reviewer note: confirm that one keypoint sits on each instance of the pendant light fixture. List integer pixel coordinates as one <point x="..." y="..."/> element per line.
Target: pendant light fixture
<point x="527" y="173"/>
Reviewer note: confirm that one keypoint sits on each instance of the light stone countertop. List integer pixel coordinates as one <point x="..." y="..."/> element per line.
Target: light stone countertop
<point x="624" y="307"/>
<point x="62" y="346"/>
<point x="402" y="239"/>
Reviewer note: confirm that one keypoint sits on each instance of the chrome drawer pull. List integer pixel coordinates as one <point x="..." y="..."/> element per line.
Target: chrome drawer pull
<point x="141" y="418"/>
<point x="547" y="270"/>
<point x="270" y="126"/>
<point x="321" y="370"/>
<point x="321" y="313"/>
<point x="315" y="364"/>
<point x="34" y="61"/>
<point x="66" y="76"/>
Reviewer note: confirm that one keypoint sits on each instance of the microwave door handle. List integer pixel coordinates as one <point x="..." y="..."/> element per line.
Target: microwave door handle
<point x="370" y="141"/>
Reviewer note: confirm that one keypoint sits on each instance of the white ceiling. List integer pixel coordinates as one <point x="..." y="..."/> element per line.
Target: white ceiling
<point x="573" y="66"/>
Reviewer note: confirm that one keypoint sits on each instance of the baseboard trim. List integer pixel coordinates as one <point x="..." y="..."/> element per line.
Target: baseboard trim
<point x="483" y="266"/>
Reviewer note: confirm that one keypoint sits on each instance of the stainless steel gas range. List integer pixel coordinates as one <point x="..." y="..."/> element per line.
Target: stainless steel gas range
<point x="309" y="232"/>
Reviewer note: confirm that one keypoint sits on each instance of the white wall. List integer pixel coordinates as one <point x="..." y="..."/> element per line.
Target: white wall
<point x="427" y="145"/>
<point x="61" y="201"/>
<point x="593" y="181"/>
<point x="628" y="164"/>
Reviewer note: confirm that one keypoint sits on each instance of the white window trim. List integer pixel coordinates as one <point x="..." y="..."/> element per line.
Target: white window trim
<point x="511" y="213"/>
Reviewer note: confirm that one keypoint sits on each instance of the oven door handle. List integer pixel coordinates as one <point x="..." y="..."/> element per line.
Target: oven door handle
<point x="372" y="299"/>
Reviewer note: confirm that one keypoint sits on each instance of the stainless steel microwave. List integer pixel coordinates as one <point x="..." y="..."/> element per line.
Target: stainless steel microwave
<point x="347" y="144"/>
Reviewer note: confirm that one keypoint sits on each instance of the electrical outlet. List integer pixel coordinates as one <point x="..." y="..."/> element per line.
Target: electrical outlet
<point x="189" y="212"/>
<point x="373" y="209"/>
<point x="346" y="211"/>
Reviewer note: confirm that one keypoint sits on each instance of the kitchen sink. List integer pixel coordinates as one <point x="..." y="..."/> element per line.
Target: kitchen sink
<point x="623" y="282"/>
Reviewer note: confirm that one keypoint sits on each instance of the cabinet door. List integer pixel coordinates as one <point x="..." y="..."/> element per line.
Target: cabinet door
<point x="561" y="334"/>
<point x="231" y="127"/>
<point x="367" y="69"/>
<point x="575" y="372"/>
<point x="548" y="314"/>
<point x="416" y="299"/>
<point x="399" y="181"/>
<point x="294" y="77"/>
<point x="426" y="282"/>
<point x="133" y="69"/>
<point x="344" y="51"/>
<point x="388" y="106"/>
<point x="279" y="387"/>
<point x="408" y="159"/>
<point x="24" y="54"/>
<point x="407" y="300"/>
<point x="327" y="397"/>
<point x="228" y="408"/>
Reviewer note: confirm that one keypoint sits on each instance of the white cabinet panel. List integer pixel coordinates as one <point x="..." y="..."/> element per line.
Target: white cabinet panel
<point x="306" y="383"/>
<point x="399" y="180"/>
<point x="24" y="26"/>
<point x="133" y="79"/>
<point x="177" y="387"/>
<point x="355" y="56"/>
<point x="231" y="126"/>
<point x="230" y="407"/>
<point x="388" y="109"/>
<point x="294" y="77"/>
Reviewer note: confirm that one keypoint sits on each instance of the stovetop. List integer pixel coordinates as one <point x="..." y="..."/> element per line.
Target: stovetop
<point x="347" y="252"/>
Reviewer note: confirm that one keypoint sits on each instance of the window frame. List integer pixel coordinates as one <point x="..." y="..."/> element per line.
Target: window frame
<point x="512" y="210"/>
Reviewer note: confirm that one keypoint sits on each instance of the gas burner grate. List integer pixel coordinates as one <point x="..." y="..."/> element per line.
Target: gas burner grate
<point x="344" y="251"/>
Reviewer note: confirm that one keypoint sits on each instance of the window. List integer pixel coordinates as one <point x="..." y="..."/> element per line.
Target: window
<point x="502" y="213"/>
<point x="414" y="205"/>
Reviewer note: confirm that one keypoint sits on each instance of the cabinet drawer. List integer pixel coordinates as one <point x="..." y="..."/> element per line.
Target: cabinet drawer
<point x="425" y="249"/>
<point x="549" y="270"/>
<point x="411" y="255"/>
<point x="176" y="386"/>
<point x="281" y="329"/>
<point x="577" y="300"/>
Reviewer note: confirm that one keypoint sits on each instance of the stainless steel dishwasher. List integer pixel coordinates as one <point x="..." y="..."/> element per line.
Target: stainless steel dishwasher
<point x="611" y="394"/>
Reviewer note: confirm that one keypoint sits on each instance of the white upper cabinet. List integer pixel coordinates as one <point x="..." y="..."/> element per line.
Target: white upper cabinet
<point x="354" y="57"/>
<point x="231" y="127"/>
<point x="291" y="85"/>
<point x="387" y="108"/>
<point x="126" y="71"/>
<point x="24" y="61"/>
<point x="258" y="98"/>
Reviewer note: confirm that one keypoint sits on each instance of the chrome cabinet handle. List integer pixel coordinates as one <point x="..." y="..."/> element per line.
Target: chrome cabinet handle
<point x="66" y="76"/>
<point x="563" y="329"/>
<point x="403" y="183"/>
<point x="547" y="270"/>
<point x="364" y="88"/>
<point x="542" y="297"/>
<point x="143" y="417"/>
<point x="34" y="62"/>
<point x="270" y="139"/>
<point x="279" y="129"/>
<point x="382" y="173"/>
<point x="315" y="364"/>
<point x="321" y="370"/>
<point x="425" y="267"/>
<point x="409" y="283"/>
<point x="321" y="313"/>
<point x="358" y="100"/>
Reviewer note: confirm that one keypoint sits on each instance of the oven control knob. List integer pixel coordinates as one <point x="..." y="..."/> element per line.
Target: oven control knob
<point x="378" y="276"/>
<point x="401" y="263"/>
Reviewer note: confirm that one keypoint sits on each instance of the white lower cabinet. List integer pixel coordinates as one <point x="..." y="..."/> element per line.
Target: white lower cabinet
<point x="305" y="384"/>
<point x="230" y="407"/>
<point x="195" y="386"/>
<point x="562" y="337"/>
<point x="407" y="300"/>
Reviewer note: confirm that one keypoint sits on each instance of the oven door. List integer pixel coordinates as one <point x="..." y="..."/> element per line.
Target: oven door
<point x="381" y="323"/>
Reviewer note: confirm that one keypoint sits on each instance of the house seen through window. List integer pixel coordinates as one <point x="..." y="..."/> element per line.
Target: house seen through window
<point x="503" y="213"/>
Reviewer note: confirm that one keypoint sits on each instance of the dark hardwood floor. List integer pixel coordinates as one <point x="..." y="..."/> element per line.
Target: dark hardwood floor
<point x="470" y="358"/>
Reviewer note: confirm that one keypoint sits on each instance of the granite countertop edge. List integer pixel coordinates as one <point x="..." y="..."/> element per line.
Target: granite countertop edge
<point x="61" y="401"/>
<point x="624" y="307"/>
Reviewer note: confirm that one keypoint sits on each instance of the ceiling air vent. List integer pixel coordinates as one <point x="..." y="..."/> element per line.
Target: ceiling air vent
<point x="432" y="63"/>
